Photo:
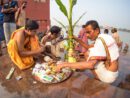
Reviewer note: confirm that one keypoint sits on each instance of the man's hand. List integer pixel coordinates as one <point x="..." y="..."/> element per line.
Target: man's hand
<point x="38" y="52"/>
<point x="60" y="66"/>
<point x="75" y="38"/>
<point x="41" y="49"/>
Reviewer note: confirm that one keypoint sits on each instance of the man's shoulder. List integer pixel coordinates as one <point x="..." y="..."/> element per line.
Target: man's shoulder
<point x="20" y="32"/>
<point x="19" y="35"/>
<point x="105" y="36"/>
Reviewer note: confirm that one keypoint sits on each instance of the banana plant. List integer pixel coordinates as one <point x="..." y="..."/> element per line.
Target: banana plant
<point x="68" y="15"/>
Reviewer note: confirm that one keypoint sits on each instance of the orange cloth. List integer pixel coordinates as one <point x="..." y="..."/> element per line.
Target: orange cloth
<point x="29" y="44"/>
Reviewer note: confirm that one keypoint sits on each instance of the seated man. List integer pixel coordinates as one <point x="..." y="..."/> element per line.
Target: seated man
<point x="24" y="45"/>
<point x="50" y="41"/>
<point x="103" y="57"/>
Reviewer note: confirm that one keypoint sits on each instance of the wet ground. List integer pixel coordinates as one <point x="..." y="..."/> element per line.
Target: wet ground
<point x="79" y="85"/>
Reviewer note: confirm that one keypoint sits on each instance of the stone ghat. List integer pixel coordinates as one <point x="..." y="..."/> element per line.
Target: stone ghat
<point x="79" y="85"/>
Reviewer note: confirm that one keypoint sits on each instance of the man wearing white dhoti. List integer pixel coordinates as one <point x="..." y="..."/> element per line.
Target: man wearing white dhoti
<point x="103" y="57"/>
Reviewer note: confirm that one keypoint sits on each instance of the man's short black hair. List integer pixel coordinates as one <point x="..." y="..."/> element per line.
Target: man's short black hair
<point x="55" y="30"/>
<point x="31" y="25"/>
<point x="83" y="26"/>
<point x="93" y="23"/>
<point x="106" y="31"/>
<point x="114" y="30"/>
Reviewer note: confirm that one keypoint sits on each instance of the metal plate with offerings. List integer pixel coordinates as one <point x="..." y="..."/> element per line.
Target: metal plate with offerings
<point x="46" y="73"/>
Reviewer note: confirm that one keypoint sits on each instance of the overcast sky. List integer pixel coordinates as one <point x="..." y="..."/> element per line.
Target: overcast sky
<point x="114" y="13"/>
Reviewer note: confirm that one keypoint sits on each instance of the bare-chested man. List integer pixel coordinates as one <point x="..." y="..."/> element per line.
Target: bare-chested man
<point x="24" y="45"/>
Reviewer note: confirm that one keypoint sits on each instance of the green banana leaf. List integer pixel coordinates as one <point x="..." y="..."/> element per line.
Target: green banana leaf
<point x="78" y="20"/>
<point x="62" y="7"/>
<point x="60" y="23"/>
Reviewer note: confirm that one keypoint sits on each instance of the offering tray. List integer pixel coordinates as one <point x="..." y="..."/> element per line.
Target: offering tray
<point x="46" y="73"/>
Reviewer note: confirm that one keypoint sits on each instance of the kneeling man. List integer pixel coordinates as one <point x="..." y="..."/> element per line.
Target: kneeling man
<point x="24" y="45"/>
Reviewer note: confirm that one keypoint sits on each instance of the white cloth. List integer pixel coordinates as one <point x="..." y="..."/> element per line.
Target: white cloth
<point x="105" y="75"/>
<point x="99" y="51"/>
<point x="55" y="49"/>
<point x="48" y="43"/>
